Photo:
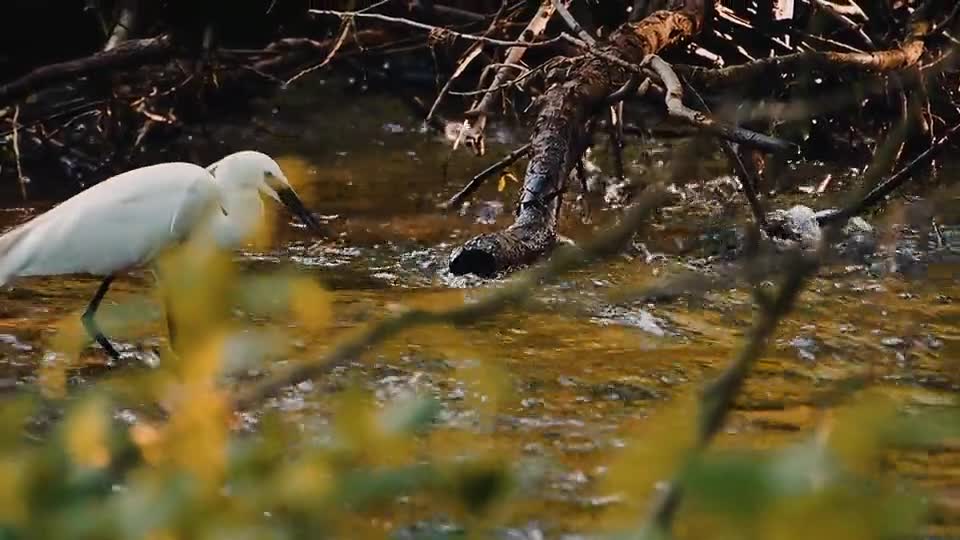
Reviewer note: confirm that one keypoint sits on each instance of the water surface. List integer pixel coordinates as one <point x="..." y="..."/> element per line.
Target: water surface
<point x="587" y="373"/>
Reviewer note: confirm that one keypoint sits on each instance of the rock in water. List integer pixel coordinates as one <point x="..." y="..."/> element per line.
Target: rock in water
<point x="796" y="226"/>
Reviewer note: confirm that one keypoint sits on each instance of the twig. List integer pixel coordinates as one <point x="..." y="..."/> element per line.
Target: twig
<point x="676" y="109"/>
<point x="605" y="245"/>
<point x="16" y="151"/>
<point x="572" y="23"/>
<point x="344" y="32"/>
<point x="373" y="6"/>
<point x="830" y="62"/>
<point x="888" y="186"/>
<point x="747" y="180"/>
<point x="431" y="28"/>
<point x="615" y="132"/>
<point x="481" y="177"/>
<point x="485" y="106"/>
<point x="626" y="91"/>
<point x="842" y="15"/>
<point x="527" y="73"/>
<point x="467" y="59"/>
<point x="470" y="55"/>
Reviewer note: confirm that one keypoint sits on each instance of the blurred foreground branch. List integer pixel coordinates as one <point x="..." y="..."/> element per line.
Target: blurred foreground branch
<point x="719" y="396"/>
<point x="516" y="291"/>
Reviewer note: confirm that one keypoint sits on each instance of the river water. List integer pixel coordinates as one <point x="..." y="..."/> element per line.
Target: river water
<point x="587" y="373"/>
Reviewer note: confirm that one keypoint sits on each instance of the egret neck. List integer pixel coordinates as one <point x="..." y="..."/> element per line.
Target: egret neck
<point x="241" y="216"/>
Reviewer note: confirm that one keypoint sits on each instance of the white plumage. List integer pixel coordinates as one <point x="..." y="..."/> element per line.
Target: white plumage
<point x="125" y="221"/>
<point x="115" y="225"/>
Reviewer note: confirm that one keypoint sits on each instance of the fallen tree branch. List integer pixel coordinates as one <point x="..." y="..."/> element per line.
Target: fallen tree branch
<point x="676" y="109"/>
<point x="604" y="246"/>
<point x="129" y="53"/>
<point x="732" y="133"/>
<point x="478" y="180"/>
<point x="747" y="179"/>
<point x="851" y="9"/>
<point x="830" y="62"/>
<point x="557" y="141"/>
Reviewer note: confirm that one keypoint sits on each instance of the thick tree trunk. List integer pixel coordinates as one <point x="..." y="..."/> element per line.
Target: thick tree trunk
<point x="558" y="141"/>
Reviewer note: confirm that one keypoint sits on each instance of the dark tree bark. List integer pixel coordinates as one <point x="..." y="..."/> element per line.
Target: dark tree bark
<point x="558" y="140"/>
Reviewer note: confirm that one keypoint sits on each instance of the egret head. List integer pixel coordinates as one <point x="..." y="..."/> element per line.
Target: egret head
<point x="254" y="170"/>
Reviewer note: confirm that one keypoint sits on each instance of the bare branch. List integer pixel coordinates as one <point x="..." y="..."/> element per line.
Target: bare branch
<point x="485" y="107"/>
<point x="346" y="25"/>
<point x="676" y="109"/>
<point x="431" y="28"/>
<point x="481" y="177"/>
<point x="573" y="24"/>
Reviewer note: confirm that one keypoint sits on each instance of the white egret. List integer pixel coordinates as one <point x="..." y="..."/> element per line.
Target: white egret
<point x="126" y="221"/>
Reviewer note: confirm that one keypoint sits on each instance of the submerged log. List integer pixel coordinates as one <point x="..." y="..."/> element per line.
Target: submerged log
<point x="558" y="139"/>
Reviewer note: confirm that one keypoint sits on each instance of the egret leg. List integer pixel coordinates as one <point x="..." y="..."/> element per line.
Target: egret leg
<point x="168" y="311"/>
<point x="90" y="324"/>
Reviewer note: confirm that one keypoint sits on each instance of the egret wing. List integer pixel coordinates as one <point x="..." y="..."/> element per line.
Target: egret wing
<point x="117" y="224"/>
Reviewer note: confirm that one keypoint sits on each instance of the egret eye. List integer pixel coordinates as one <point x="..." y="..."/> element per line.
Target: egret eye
<point x="273" y="181"/>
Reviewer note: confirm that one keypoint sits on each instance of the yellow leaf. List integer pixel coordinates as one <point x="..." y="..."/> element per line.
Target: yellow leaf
<point x="197" y="283"/>
<point x="197" y="435"/>
<point x="354" y="421"/>
<point x="52" y="377"/>
<point x="70" y="337"/>
<point x="266" y="228"/>
<point x="87" y="432"/>
<point x="858" y="431"/>
<point x="148" y="439"/>
<point x="653" y="454"/>
<point x="502" y="185"/>
<point x="12" y="507"/>
<point x="311" y="303"/>
<point x="303" y="483"/>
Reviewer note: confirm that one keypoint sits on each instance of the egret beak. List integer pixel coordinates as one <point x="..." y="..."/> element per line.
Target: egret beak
<point x="286" y="195"/>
